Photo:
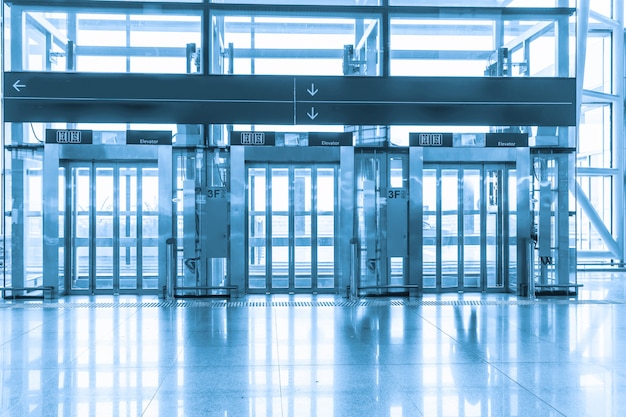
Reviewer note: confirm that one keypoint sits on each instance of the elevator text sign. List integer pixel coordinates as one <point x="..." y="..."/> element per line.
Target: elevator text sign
<point x="69" y="136"/>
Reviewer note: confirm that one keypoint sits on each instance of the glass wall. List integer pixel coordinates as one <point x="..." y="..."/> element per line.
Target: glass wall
<point x="284" y="44"/>
<point x="490" y="44"/>
<point x="414" y="41"/>
<point x="115" y="40"/>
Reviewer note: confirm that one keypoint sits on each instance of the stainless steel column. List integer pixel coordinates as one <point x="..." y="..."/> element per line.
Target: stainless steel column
<point x="522" y="166"/>
<point x="238" y="249"/>
<point x="166" y="195"/>
<point x="50" y="207"/>
<point x="416" y="216"/>
<point x="346" y="217"/>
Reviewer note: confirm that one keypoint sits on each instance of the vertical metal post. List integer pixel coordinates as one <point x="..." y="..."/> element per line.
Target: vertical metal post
<point x="355" y="270"/>
<point x="170" y="263"/>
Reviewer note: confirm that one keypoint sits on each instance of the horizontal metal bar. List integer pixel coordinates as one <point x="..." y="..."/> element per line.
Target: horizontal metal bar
<point x="558" y="285"/>
<point x="392" y="286"/>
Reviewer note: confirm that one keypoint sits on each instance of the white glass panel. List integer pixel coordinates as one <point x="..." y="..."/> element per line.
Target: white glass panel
<point x="449" y="228"/>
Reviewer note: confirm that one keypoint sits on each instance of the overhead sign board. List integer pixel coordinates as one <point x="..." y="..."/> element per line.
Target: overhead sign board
<point x="467" y="140"/>
<point x="278" y="99"/>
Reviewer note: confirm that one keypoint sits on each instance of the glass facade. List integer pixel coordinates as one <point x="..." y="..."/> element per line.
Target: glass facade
<point x="344" y="38"/>
<point x="371" y="41"/>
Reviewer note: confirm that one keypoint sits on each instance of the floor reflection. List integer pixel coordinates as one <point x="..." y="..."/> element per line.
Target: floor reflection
<point x="472" y="355"/>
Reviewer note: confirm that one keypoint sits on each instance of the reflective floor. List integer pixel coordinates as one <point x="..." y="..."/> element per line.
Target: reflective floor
<point x="453" y="355"/>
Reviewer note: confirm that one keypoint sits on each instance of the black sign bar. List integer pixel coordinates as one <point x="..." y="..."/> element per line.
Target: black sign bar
<point x="471" y="101"/>
<point x="252" y="138"/>
<point x="69" y="136"/>
<point x="147" y="98"/>
<point x="506" y="140"/>
<point x="264" y="99"/>
<point x="149" y="137"/>
<point x="469" y="140"/>
<point x="330" y="139"/>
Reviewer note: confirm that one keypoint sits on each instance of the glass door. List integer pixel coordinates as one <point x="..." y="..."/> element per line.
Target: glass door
<point x="112" y="225"/>
<point x="291" y="228"/>
<point x="465" y="227"/>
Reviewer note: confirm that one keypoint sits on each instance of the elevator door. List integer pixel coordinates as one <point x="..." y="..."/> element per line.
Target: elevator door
<point x="466" y="223"/>
<point x="291" y="228"/>
<point x="113" y="228"/>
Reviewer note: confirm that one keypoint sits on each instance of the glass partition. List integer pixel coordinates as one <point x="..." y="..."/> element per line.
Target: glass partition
<point x="491" y="44"/>
<point x="90" y="40"/>
<point x="295" y="45"/>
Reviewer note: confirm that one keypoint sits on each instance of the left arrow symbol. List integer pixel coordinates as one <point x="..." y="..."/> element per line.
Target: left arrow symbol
<point x="312" y="115"/>
<point x="17" y="85"/>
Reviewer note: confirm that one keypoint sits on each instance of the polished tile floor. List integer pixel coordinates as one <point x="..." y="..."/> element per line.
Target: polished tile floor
<point x="453" y="355"/>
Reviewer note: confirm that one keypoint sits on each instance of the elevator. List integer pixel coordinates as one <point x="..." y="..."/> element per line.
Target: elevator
<point x="470" y="222"/>
<point x="107" y="212"/>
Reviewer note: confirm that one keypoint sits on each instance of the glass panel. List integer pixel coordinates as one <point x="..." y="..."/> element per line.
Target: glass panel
<point x="111" y="42"/>
<point x="449" y="228"/>
<point x="80" y="226"/>
<point x="62" y="205"/>
<point x="127" y="215"/>
<point x="604" y="7"/>
<point x="474" y="47"/>
<point x="149" y="195"/>
<point x="257" y="214"/>
<point x="104" y="192"/>
<point x="599" y="62"/>
<point x="440" y="47"/>
<point x="302" y="227"/>
<point x="512" y="246"/>
<point x="280" y="227"/>
<point x="429" y="204"/>
<point x="595" y="144"/>
<point x="326" y="227"/>
<point x="494" y="228"/>
<point x="135" y="43"/>
<point x="396" y="173"/>
<point x="33" y="227"/>
<point x="471" y="228"/>
<point x="298" y="45"/>
<point x="396" y="270"/>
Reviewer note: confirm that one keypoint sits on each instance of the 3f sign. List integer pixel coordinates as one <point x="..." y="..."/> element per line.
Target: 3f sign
<point x="395" y="194"/>
<point x="216" y="193"/>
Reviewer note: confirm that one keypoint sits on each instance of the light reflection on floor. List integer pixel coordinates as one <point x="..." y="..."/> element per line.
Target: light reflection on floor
<point x="494" y="357"/>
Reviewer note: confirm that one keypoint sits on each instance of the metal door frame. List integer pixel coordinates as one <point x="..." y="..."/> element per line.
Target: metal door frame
<point x="54" y="241"/>
<point x="517" y="159"/>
